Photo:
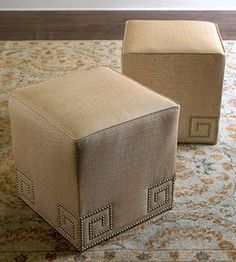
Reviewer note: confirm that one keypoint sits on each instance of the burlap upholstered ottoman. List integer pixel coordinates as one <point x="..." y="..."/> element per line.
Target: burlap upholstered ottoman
<point x="183" y="60"/>
<point x="95" y="153"/>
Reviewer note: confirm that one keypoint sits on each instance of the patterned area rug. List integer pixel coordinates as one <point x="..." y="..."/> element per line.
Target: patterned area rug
<point x="202" y="225"/>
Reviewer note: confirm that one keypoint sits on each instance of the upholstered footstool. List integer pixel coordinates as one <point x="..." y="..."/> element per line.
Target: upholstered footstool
<point x="183" y="60"/>
<point x="95" y="153"/>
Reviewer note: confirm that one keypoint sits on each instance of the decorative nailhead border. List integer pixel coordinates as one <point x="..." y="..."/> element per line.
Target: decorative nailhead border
<point x="64" y="214"/>
<point x="83" y="248"/>
<point x="206" y="123"/>
<point x="21" y="179"/>
<point x="166" y="189"/>
<point x="128" y="227"/>
<point x="40" y="214"/>
<point x="102" y="218"/>
<point x="54" y="226"/>
<point x="91" y="234"/>
<point x="162" y="210"/>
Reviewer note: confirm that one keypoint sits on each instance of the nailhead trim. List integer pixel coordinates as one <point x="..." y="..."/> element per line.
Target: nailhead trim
<point x="91" y="235"/>
<point x="165" y="188"/>
<point x="97" y="211"/>
<point x="83" y="248"/>
<point x="59" y="230"/>
<point x="149" y="206"/>
<point x="30" y="186"/>
<point x="163" y="182"/>
<point x="62" y="219"/>
<point x="191" y="126"/>
<point x="127" y="227"/>
<point x="166" y="208"/>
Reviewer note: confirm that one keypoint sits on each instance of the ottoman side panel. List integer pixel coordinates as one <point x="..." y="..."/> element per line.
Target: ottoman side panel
<point x="193" y="80"/>
<point x="126" y="174"/>
<point x="45" y="158"/>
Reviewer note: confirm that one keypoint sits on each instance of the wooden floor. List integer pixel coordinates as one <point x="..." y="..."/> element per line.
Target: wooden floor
<point x="61" y="25"/>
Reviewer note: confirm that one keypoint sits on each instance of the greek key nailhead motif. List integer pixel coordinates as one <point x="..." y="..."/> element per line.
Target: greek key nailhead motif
<point x="91" y="234"/>
<point x="154" y="193"/>
<point x="203" y="127"/>
<point x="65" y="215"/>
<point x="105" y="218"/>
<point x="155" y="199"/>
<point x="162" y="209"/>
<point x="65" y="235"/>
<point x="25" y="187"/>
<point x="67" y="221"/>
<point x="32" y="205"/>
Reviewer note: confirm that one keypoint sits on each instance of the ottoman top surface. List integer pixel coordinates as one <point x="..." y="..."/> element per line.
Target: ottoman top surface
<point x="151" y="36"/>
<point x="85" y="103"/>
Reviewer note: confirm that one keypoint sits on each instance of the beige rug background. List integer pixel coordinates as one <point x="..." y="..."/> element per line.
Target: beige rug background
<point x="202" y="225"/>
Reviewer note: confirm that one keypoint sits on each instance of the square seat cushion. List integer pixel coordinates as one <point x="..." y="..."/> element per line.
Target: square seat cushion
<point x="95" y="153"/>
<point x="183" y="60"/>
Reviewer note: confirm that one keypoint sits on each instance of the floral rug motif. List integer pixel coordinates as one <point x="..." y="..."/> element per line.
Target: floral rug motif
<point x="202" y="224"/>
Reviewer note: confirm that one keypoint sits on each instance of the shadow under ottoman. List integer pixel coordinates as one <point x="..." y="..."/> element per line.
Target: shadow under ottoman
<point x="95" y="153"/>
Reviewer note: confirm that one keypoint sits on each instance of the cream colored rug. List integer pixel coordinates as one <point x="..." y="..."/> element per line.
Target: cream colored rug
<point x="202" y="225"/>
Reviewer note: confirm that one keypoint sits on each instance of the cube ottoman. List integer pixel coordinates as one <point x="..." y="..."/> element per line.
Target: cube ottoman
<point x="95" y="153"/>
<point x="183" y="60"/>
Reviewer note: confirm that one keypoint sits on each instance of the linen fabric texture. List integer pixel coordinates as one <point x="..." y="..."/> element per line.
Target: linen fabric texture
<point x="95" y="153"/>
<point x="183" y="60"/>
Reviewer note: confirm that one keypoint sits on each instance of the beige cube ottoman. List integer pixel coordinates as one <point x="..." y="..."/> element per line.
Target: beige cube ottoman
<point x="95" y="153"/>
<point x="183" y="60"/>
